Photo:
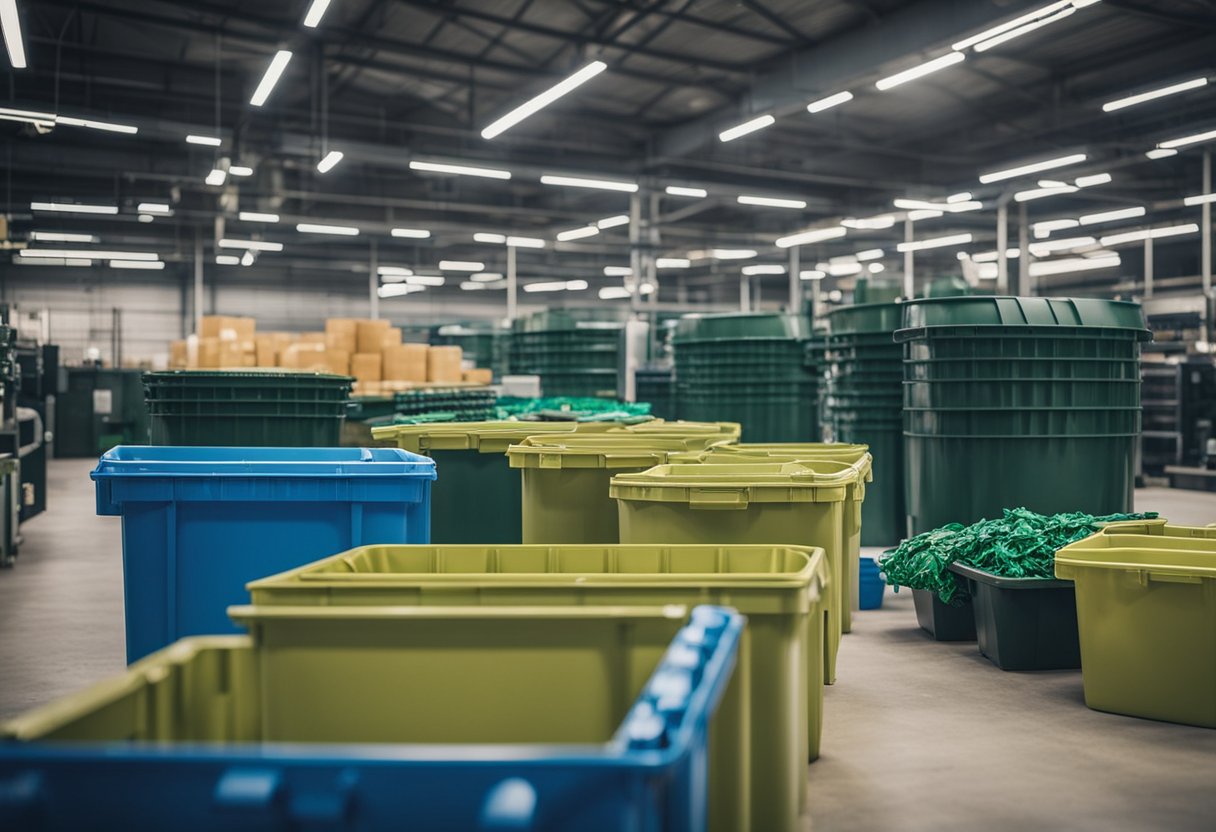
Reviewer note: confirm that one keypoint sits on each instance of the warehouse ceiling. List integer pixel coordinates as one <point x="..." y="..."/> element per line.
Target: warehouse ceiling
<point x="389" y="83"/>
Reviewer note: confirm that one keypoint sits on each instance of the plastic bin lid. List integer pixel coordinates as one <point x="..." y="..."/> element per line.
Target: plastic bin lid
<point x="244" y="373"/>
<point x="603" y="450"/>
<point x="1005" y="312"/>
<point x="812" y="452"/>
<point x="1159" y="526"/>
<point x="737" y="326"/>
<point x="1159" y="557"/>
<point x="865" y="318"/>
<point x="485" y="437"/>
<point x="709" y="485"/>
<point x="658" y="427"/>
<point x="182" y="461"/>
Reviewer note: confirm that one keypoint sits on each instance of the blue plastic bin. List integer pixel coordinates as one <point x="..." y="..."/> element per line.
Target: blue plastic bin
<point x="200" y="523"/>
<point x="126" y="754"/>
<point x="871" y="585"/>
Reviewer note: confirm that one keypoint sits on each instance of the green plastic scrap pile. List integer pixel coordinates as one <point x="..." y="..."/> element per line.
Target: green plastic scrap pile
<point x="1021" y="544"/>
<point x="572" y="409"/>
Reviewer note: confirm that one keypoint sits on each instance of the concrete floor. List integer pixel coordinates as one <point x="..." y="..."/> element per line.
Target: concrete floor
<point x="918" y="734"/>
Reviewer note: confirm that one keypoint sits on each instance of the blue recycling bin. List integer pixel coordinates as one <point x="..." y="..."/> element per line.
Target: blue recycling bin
<point x="199" y="523"/>
<point x="871" y="585"/>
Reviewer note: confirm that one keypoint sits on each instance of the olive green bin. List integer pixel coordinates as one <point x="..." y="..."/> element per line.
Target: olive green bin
<point x="770" y="719"/>
<point x="732" y="503"/>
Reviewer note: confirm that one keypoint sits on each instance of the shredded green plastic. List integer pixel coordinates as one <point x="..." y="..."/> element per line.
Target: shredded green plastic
<point x="1021" y="544"/>
<point x="561" y="408"/>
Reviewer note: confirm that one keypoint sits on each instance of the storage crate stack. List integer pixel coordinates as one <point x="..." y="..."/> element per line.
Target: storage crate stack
<point x="575" y="352"/>
<point x="864" y="404"/>
<point x="487" y="346"/>
<point x="747" y="368"/>
<point x="457" y="404"/>
<point x="657" y="387"/>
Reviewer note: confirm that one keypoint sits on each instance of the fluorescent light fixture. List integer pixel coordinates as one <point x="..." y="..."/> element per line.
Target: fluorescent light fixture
<point x="252" y="245"/>
<point x="227" y="260"/>
<point x="534" y="105"/>
<point x="915" y="204"/>
<point x="155" y="265"/>
<point x="61" y="237"/>
<point x="1074" y="264"/>
<point x="1039" y="193"/>
<point x="814" y="235"/>
<point x="771" y="202"/>
<point x="340" y="230"/>
<point x="577" y="233"/>
<point x="209" y="141"/>
<point x="556" y="286"/>
<point x="240" y="170"/>
<point x="1062" y="244"/>
<point x="614" y="293"/>
<point x="1161" y="153"/>
<point x="153" y="208"/>
<point x="1185" y="140"/>
<point x="1042" y="230"/>
<point x="680" y="190"/>
<point x="247" y="258"/>
<point x="758" y="123"/>
<point x="812" y="274"/>
<point x="762" y="269"/>
<point x="1111" y="216"/>
<point x="1150" y="234"/>
<point x="256" y="216"/>
<point x="461" y="266"/>
<point x="985" y="45"/>
<point x="394" y="271"/>
<point x="875" y="268"/>
<point x="11" y="24"/>
<point x="94" y="124"/>
<point x="1010" y="25"/>
<point x="91" y="254"/>
<point x="1090" y="181"/>
<point x="935" y="242"/>
<point x="470" y="286"/>
<point x="459" y="170"/>
<point x="874" y="223"/>
<point x="396" y="290"/>
<point x="581" y="182"/>
<point x="146" y="218"/>
<point x="965" y="196"/>
<point x="840" y="269"/>
<point x="485" y="237"/>
<point x="331" y="158"/>
<point x="921" y="70"/>
<point x="1191" y="201"/>
<point x="45" y="120"/>
<point x="273" y="72"/>
<point x="829" y="102"/>
<point x="411" y="233"/>
<point x="425" y="279"/>
<point x="613" y="222"/>
<point x="617" y="271"/>
<point x="1162" y="92"/>
<point x="73" y="208"/>
<point x="990" y="256"/>
<point x="525" y="242"/>
<point x="217" y="177"/>
<point x="733" y="253"/>
<point x="1032" y="167"/>
<point x="672" y="263"/>
<point x="869" y="254"/>
<point x="924" y="214"/>
<point x="576" y="285"/>
<point x="312" y="18"/>
<point x="486" y="277"/>
<point x="72" y="261"/>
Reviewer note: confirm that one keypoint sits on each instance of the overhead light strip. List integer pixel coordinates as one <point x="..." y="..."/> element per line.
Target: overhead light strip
<point x="252" y="245"/>
<point x="680" y="190"/>
<point x="92" y="254"/>
<point x="331" y="159"/>
<point x="829" y="102"/>
<point x="209" y="141"/>
<point x="935" y="242"/>
<point x="1152" y="95"/>
<point x="771" y="202"/>
<point x="10" y="23"/>
<point x="577" y="233"/>
<point x="256" y="216"/>
<point x="750" y="126"/>
<point x="1032" y="167"/>
<point x="1173" y="144"/>
<point x="411" y="233"/>
<point x="73" y="208"/>
<point x="927" y="68"/>
<point x="458" y="170"/>
<point x="814" y="235"/>
<point x="534" y="105"/>
<point x="312" y="18"/>
<point x="337" y="230"/>
<point x="273" y="72"/>
<point x="1150" y="234"/>
<point x="581" y="182"/>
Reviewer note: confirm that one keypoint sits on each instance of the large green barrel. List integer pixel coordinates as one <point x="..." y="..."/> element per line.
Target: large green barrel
<point x="864" y="405"/>
<point x="748" y="368"/>
<point x="1012" y="402"/>
<point x="575" y="352"/>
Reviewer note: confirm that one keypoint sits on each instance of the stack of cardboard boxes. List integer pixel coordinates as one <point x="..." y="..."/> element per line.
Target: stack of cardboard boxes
<point x="369" y="350"/>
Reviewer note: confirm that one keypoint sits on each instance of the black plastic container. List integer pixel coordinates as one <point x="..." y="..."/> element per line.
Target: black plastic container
<point x="941" y="620"/>
<point x="1024" y="623"/>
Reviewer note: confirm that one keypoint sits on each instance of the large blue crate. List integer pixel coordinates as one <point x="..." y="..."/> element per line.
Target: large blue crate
<point x="200" y="523"/>
<point x="127" y="754"/>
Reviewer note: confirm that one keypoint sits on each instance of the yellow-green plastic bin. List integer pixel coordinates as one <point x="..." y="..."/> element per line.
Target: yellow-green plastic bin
<point x="812" y="452"/>
<point x="732" y="503"/>
<point x="565" y="480"/>
<point x="728" y="431"/>
<point x="764" y="733"/>
<point x="1146" y="614"/>
<point x="1160" y="526"/>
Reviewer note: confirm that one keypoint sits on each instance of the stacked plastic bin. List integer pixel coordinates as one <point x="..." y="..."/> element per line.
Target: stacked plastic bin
<point x="1016" y="402"/>
<point x="486" y="345"/>
<point x="748" y="368"/>
<point x="864" y="404"/>
<point x="246" y="408"/>
<point x="575" y="352"/>
<point x="656" y="386"/>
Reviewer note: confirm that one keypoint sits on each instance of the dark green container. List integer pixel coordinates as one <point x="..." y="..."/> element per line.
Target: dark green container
<point x="1038" y="423"/>
<point x="882" y="513"/>
<point x="945" y="622"/>
<point x="1023" y="623"/>
<point x="1021" y="393"/>
<point x="246" y="408"/>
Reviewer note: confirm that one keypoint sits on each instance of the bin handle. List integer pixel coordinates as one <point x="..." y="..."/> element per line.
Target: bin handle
<point x="510" y="804"/>
<point x="717" y="498"/>
<point x="1168" y="578"/>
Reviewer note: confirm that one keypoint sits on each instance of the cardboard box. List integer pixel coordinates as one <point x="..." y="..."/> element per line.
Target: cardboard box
<point x="230" y="354"/>
<point x="443" y="364"/>
<point x="366" y="366"/>
<point x="267" y="353"/>
<point x="340" y="334"/>
<point x="309" y="357"/>
<point x="369" y="336"/>
<point x="178" y="355"/>
<point x="392" y="337"/>
<point x="313" y="338"/>
<point x="405" y="362"/>
<point x="479" y="376"/>
<point x="202" y="353"/>
<point x="337" y="362"/>
<point x="227" y="327"/>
